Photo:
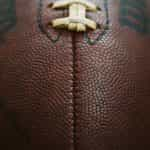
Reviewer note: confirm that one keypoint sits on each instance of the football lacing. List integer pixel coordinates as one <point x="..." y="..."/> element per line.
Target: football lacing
<point x="76" y="21"/>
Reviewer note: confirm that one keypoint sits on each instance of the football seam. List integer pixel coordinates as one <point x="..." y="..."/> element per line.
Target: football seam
<point x="75" y="66"/>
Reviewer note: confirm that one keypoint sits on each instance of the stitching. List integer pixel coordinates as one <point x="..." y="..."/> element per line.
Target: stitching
<point x="74" y="90"/>
<point x="86" y="37"/>
<point x="101" y="34"/>
<point x="72" y="112"/>
<point x="41" y="26"/>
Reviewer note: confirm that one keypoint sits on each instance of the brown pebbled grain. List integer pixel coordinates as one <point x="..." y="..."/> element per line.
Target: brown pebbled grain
<point x="59" y="91"/>
<point x="112" y="88"/>
<point x="36" y="82"/>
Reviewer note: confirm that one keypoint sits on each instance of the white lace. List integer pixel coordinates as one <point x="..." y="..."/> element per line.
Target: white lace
<point x="77" y="20"/>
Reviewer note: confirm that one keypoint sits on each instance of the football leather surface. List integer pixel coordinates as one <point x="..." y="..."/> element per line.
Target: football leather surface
<point x="64" y="90"/>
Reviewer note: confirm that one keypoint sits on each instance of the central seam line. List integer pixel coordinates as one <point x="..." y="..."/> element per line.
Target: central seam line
<point x="74" y="90"/>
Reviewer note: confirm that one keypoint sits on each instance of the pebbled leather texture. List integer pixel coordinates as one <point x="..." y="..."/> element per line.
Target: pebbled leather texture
<point x="36" y="81"/>
<point x="74" y="91"/>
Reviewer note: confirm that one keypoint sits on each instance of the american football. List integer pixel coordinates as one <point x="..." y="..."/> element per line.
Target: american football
<point x="75" y="75"/>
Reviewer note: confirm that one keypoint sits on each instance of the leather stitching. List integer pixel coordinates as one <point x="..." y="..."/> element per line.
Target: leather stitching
<point x="73" y="55"/>
<point x="74" y="91"/>
<point x="41" y="26"/>
<point x="102" y="33"/>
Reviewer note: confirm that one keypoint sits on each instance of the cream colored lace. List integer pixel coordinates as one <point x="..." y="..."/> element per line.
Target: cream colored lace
<point x="77" y="20"/>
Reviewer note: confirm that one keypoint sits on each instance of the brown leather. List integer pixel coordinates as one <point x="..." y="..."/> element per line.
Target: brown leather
<point x="74" y="91"/>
